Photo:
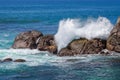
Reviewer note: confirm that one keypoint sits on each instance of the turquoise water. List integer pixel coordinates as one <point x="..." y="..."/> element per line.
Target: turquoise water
<point x="21" y="15"/>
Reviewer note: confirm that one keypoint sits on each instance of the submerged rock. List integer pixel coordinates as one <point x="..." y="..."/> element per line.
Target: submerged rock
<point x="47" y="43"/>
<point x="7" y="60"/>
<point x="27" y="40"/>
<point x="113" y="41"/>
<point x="83" y="46"/>
<point x="19" y="60"/>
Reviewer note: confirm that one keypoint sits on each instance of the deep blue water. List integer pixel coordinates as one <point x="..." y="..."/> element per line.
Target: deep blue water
<point x="44" y="15"/>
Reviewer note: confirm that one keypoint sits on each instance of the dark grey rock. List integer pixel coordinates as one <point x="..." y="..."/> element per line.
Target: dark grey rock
<point x="7" y="60"/>
<point x="19" y="60"/>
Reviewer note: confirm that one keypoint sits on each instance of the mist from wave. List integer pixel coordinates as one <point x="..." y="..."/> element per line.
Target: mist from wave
<point x="71" y="29"/>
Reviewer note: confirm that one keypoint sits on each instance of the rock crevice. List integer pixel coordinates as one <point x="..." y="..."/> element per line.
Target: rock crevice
<point x="113" y="41"/>
<point x="84" y="46"/>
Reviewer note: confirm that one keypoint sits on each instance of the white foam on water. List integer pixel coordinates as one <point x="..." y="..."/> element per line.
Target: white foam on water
<point x="6" y="35"/>
<point x="68" y="30"/>
<point x="37" y="58"/>
<point x="33" y="58"/>
<point x="20" y="51"/>
<point x="75" y="28"/>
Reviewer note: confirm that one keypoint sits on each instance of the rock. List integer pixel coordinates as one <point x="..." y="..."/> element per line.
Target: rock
<point x="52" y="49"/>
<point x="27" y="40"/>
<point x="83" y="46"/>
<point x="7" y="60"/>
<point x="78" y="45"/>
<point x="47" y="43"/>
<point x="94" y="46"/>
<point x="66" y="52"/>
<point x="19" y="60"/>
<point x="113" y="41"/>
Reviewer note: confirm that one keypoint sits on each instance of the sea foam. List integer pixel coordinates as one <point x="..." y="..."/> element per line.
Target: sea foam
<point x="75" y="28"/>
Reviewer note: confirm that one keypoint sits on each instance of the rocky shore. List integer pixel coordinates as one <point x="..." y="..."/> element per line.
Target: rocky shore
<point x="36" y="40"/>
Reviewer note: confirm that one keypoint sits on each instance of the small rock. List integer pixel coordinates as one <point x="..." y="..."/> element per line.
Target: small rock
<point x="19" y="60"/>
<point x="52" y="49"/>
<point x="7" y="60"/>
<point x="47" y="43"/>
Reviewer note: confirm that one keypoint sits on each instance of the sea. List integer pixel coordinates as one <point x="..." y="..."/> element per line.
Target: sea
<point x="48" y="16"/>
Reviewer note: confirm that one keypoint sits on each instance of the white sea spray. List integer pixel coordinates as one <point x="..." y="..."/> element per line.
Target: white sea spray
<point x="75" y="28"/>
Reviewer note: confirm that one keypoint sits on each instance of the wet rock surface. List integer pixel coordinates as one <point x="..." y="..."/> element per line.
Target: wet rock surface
<point x="113" y="41"/>
<point x="27" y="40"/>
<point x="11" y="60"/>
<point x="19" y="60"/>
<point x="47" y="43"/>
<point x="7" y="60"/>
<point x="66" y="52"/>
<point x="35" y="40"/>
<point x="83" y="46"/>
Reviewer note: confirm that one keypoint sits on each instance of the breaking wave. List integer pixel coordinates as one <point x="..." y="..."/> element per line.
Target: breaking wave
<point x="75" y="28"/>
<point x="68" y="30"/>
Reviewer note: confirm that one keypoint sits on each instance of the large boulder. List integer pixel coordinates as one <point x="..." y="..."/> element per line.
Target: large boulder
<point x="27" y="40"/>
<point x="47" y="43"/>
<point x="113" y="41"/>
<point x="83" y="46"/>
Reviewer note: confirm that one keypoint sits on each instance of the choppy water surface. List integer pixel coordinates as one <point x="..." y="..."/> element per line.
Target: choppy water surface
<point x="21" y="15"/>
<point x="44" y="66"/>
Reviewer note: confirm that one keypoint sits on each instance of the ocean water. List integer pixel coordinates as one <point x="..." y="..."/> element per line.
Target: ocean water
<point x="46" y="16"/>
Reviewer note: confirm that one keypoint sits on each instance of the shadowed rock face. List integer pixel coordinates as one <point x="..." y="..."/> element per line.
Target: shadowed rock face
<point x="83" y="46"/>
<point x="113" y="41"/>
<point x="47" y="43"/>
<point x="11" y="60"/>
<point x="27" y="40"/>
<point x="7" y="60"/>
<point x="66" y="52"/>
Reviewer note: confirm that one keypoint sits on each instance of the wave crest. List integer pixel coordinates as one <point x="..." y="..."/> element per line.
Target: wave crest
<point x="75" y="28"/>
